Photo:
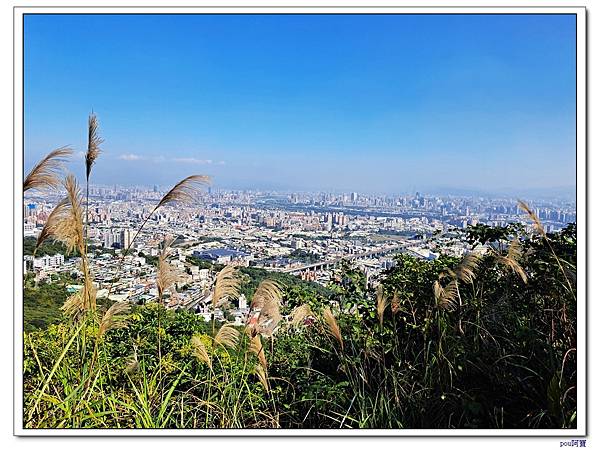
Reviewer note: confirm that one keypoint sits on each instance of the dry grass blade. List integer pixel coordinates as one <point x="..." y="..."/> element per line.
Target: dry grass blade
<point x="45" y="174"/>
<point x="199" y="351"/>
<point x="227" y="336"/>
<point x="515" y="250"/>
<point x="438" y="292"/>
<point x="65" y="222"/>
<point x="94" y="141"/>
<point x="332" y="326"/>
<point x="533" y="216"/>
<point x="227" y="286"/>
<point x="382" y="303"/>
<point x="89" y="291"/>
<point x="268" y="291"/>
<point x="74" y="305"/>
<point x="257" y="348"/>
<point x="267" y="298"/>
<point x="395" y="303"/>
<point x="69" y="225"/>
<point x="49" y="229"/>
<point x="300" y="314"/>
<point x="115" y="317"/>
<point x="445" y="296"/>
<point x="66" y="225"/>
<point x="80" y="302"/>
<point x="514" y="266"/>
<point x="465" y="271"/>
<point x="167" y="275"/>
<point x="269" y="318"/>
<point x="185" y="191"/>
<point x="451" y="293"/>
<point x="447" y="273"/>
<point x="262" y="376"/>
<point x="511" y="260"/>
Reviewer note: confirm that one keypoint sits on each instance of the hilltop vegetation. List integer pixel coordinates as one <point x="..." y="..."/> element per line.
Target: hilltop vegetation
<point x="41" y="304"/>
<point x="453" y="343"/>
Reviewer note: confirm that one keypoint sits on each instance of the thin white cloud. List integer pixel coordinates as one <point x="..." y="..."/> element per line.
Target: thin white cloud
<point x="161" y="158"/>
<point x="130" y="157"/>
<point x="193" y="161"/>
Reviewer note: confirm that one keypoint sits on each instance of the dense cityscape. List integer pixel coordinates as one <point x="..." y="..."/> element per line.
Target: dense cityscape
<point x="304" y="234"/>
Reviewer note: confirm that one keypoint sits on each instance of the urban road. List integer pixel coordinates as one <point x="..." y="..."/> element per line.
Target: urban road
<point x="333" y="262"/>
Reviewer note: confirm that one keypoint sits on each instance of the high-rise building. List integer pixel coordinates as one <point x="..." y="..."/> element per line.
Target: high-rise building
<point x="108" y="239"/>
<point x="125" y="238"/>
<point x="243" y="303"/>
<point x="112" y="239"/>
<point x="329" y="221"/>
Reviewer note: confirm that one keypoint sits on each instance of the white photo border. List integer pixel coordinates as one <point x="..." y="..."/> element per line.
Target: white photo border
<point x="581" y="198"/>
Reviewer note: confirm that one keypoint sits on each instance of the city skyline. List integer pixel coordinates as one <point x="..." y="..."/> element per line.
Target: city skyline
<point x="413" y="103"/>
<point x="558" y="194"/>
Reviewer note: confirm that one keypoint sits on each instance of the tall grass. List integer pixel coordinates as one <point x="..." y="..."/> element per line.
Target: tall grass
<point x="46" y="173"/>
<point x="68" y="223"/>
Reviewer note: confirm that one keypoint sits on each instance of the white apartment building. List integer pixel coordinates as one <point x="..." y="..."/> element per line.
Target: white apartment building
<point x="49" y="261"/>
<point x="29" y="229"/>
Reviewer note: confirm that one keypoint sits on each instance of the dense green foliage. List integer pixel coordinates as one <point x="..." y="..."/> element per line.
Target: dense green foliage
<point x="53" y="247"/>
<point x="303" y="256"/>
<point x="201" y="263"/>
<point x="47" y="248"/>
<point x="41" y="304"/>
<point x="497" y="352"/>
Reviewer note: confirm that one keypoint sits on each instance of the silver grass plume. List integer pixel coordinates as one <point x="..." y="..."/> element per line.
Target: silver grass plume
<point x="381" y="303"/>
<point x="94" y="141"/>
<point x="227" y="286"/>
<point x="114" y="318"/>
<point x="227" y="336"/>
<point x="45" y="174"/>
<point x="332" y="326"/>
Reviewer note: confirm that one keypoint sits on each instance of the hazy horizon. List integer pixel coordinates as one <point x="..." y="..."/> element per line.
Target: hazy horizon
<point x="378" y="103"/>
<point x="563" y="193"/>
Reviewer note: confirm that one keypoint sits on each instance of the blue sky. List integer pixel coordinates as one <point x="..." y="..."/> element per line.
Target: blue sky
<point x="333" y="102"/>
